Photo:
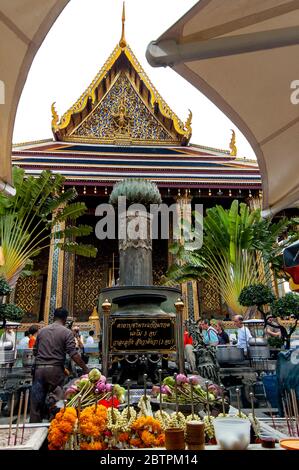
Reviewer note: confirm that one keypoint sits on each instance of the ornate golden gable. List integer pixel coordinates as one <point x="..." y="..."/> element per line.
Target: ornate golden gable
<point x="97" y="116"/>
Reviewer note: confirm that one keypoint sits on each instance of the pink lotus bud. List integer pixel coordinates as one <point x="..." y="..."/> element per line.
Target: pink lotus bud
<point x="181" y="379"/>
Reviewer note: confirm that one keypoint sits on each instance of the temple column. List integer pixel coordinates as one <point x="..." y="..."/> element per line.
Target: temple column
<point x="55" y="276"/>
<point x="69" y="282"/>
<point x="189" y="289"/>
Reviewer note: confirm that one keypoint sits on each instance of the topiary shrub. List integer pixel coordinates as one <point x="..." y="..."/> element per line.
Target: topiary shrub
<point x="258" y="294"/>
<point x="10" y="312"/>
<point x="4" y="287"/>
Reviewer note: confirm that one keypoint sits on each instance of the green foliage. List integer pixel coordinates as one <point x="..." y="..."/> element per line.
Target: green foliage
<point x="257" y="294"/>
<point x="235" y="243"/>
<point x="275" y="342"/>
<point x="286" y="306"/>
<point x="136" y="191"/>
<point x="27" y="220"/>
<point x="4" y="287"/>
<point x="10" y="312"/>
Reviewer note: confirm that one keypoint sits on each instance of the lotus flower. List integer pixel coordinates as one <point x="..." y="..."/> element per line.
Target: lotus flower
<point x="102" y="379"/>
<point x="82" y="383"/>
<point x="181" y="379"/>
<point x="71" y="391"/>
<point x="100" y="387"/>
<point x="94" y="375"/>
<point x="165" y="390"/>
<point x="155" y="390"/>
<point x="194" y="379"/>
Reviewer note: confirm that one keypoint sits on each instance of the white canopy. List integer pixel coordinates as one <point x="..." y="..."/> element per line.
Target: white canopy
<point x="244" y="56"/>
<point x="23" y="27"/>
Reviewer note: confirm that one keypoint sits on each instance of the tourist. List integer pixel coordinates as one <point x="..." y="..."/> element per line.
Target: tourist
<point x="189" y="352"/>
<point x="33" y="330"/>
<point x="244" y="334"/>
<point x="24" y="342"/>
<point x="90" y="339"/>
<point x="78" y="339"/>
<point x="272" y="330"/>
<point x="222" y="335"/>
<point x="52" y="344"/>
<point x="209" y="334"/>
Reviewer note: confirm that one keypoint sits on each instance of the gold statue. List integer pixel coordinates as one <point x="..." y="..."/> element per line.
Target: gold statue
<point x="232" y="145"/>
<point x="121" y="120"/>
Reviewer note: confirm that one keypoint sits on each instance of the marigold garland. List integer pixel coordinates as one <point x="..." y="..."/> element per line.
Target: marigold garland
<point x="61" y="428"/>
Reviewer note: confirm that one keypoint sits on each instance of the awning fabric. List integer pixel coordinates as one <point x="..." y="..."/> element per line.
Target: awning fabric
<point x="244" y="56"/>
<point x="23" y="27"/>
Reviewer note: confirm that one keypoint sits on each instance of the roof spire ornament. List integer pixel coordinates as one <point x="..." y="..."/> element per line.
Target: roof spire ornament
<point x="55" y="117"/>
<point x="122" y="42"/>
<point x="232" y="145"/>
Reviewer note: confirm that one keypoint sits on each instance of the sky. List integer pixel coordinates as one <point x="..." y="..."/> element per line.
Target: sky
<point x="77" y="46"/>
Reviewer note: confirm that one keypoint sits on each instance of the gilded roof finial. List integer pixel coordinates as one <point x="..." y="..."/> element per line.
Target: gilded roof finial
<point x="55" y="117"/>
<point x="232" y="145"/>
<point x="188" y="127"/>
<point x="122" y="41"/>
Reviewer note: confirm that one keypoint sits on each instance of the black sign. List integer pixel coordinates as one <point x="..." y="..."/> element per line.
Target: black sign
<point x="136" y="334"/>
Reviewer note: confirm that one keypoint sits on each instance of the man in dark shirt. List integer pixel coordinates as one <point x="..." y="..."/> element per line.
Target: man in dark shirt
<point x="52" y="344"/>
<point x="222" y="335"/>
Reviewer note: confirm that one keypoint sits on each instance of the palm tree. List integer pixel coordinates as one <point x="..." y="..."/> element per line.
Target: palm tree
<point x="27" y="221"/>
<point x="235" y="241"/>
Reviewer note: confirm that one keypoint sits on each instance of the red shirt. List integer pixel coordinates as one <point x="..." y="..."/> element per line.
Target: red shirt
<point x="31" y="343"/>
<point x="187" y="338"/>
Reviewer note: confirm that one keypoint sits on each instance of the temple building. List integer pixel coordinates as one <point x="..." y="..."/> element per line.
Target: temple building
<point x="121" y="127"/>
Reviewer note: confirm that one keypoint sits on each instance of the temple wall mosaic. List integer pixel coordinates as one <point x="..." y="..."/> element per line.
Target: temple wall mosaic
<point x="122" y="114"/>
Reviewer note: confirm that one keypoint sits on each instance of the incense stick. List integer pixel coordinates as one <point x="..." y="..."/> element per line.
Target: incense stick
<point x="238" y="401"/>
<point x="160" y="395"/>
<point x="286" y="415"/>
<point x="19" y="418"/>
<point x="252" y="406"/>
<point x="222" y="399"/>
<point x="192" y="401"/>
<point x="25" y="413"/>
<point x="12" y="404"/>
<point x="295" y="408"/>
<point x="176" y="395"/>
<point x="208" y="398"/>
<point x="289" y="409"/>
<point x="144" y="385"/>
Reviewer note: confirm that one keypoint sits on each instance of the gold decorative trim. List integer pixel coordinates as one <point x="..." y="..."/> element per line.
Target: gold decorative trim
<point x="182" y="129"/>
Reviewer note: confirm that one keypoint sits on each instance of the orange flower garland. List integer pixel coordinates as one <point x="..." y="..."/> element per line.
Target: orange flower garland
<point x="147" y="432"/>
<point x="93" y="421"/>
<point x="61" y="428"/>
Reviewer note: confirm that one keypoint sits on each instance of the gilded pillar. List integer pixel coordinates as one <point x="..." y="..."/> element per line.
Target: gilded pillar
<point x="55" y="275"/>
<point x="189" y="289"/>
<point x="69" y="282"/>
